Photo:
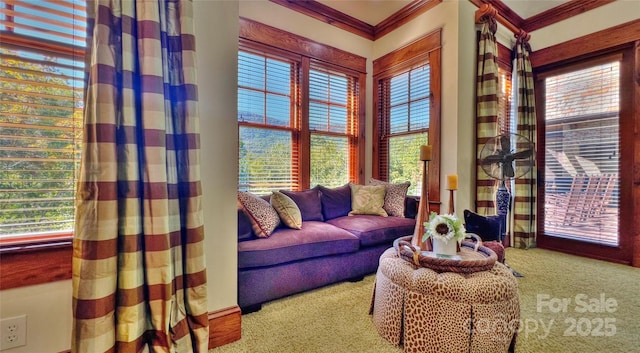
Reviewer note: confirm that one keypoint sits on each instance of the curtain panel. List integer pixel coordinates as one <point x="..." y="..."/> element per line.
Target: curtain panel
<point x="139" y="281"/>
<point x="486" y="110"/>
<point x="524" y="202"/>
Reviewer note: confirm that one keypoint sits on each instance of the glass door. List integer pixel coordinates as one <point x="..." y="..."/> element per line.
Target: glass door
<point x="580" y="150"/>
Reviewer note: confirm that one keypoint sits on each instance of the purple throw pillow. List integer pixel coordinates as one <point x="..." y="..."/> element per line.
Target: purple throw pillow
<point x="308" y="202"/>
<point x="486" y="227"/>
<point x="336" y="202"/>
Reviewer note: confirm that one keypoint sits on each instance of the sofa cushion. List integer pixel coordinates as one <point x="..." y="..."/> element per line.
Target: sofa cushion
<point x="308" y="202"/>
<point x="367" y="200"/>
<point x="336" y="202"/>
<point x="373" y="230"/>
<point x="394" y="197"/>
<point x="287" y="210"/>
<point x="486" y="227"/>
<point x="315" y="239"/>
<point x="264" y="219"/>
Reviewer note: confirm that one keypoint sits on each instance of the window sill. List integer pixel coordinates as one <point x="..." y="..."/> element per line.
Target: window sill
<point x="30" y="262"/>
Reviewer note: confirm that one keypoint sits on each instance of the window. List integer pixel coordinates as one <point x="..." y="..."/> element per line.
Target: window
<point x="405" y="125"/>
<point x="333" y="126"/>
<point x="298" y="115"/>
<point x="41" y="101"/>
<point x="505" y="109"/>
<point x="582" y="153"/>
<point x="268" y="118"/>
<point x="408" y="114"/>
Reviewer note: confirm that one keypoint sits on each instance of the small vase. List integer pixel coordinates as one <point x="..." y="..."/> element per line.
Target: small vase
<point x="445" y="248"/>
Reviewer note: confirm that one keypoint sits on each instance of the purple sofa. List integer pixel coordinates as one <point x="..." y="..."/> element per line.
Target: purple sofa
<point x="331" y="247"/>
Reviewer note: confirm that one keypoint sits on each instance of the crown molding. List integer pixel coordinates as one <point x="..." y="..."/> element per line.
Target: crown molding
<point x="560" y="13"/>
<point x="404" y="15"/>
<point x="351" y="24"/>
<point x="546" y="18"/>
<point x="329" y="15"/>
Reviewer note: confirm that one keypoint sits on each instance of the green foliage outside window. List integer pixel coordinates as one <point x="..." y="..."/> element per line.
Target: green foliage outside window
<point x="40" y="135"/>
<point x="329" y="161"/>
<point x="404" y="160"/>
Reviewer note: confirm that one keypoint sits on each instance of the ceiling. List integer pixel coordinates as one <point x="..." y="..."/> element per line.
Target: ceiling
<point x="374" y="11"/>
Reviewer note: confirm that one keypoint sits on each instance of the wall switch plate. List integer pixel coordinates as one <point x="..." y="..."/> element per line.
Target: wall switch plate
<point x="13" y="331"/>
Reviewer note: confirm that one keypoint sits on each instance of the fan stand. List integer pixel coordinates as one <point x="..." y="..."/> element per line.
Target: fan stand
<point x="503" y="200"/>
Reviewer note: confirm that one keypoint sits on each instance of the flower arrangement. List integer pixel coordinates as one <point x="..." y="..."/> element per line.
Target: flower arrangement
<point x="444" y="227"/>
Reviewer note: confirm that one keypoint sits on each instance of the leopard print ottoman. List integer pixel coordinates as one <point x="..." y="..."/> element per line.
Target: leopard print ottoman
<point x="427" y="311"/>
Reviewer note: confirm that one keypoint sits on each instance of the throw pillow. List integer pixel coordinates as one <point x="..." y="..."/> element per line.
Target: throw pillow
<point x="486" y="227"/>
<point x="394" y="200"/>
<point x="367" y="199"/>
<point x="264" y="218"/>
<point x="287" y="210"/>
<point x="336" y="202"/>
<point x="308" y="202"/>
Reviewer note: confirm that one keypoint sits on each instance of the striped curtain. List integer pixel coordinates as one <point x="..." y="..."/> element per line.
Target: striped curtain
<point x="139" y="281"/>
<point x="486" y="111"/>
<point x="524" y="204"/>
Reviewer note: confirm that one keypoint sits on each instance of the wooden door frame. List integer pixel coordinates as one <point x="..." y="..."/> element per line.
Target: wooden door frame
<point x="583" y="49"/>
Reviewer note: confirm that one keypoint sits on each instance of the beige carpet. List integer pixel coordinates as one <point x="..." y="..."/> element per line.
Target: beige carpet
<point x="335" y="319"/>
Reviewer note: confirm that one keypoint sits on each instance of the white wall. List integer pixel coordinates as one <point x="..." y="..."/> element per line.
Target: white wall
<point x="603" y="17"/>
<point x="48" y="310"/>
<point x="465" y="163"/>
<point x="216" y="27"/>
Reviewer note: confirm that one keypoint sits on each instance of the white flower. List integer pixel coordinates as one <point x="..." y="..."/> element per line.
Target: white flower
<point x="444" y="227"/>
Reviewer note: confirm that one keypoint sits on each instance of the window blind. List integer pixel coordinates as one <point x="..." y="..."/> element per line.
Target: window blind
<point x="409" y="101"/>
<point x="268" y="117"/>
<point x="41" y="102"/>
<point x="582" y="152"/>
<point x="333" y="127"/>
<point x="504" y="100"/>
<point x="404" y="106"/>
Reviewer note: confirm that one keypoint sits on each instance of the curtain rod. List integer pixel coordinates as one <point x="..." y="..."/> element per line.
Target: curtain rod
<point x="488" y="10"/>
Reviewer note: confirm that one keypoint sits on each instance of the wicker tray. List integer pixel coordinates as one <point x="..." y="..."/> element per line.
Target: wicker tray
<point x="473" y="257"/>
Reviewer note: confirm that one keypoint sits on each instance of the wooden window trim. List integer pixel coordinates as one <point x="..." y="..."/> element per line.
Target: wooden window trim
<point x="273" y="37"/>
<point x="426" y="49"/>
<point x="35" y="261"/>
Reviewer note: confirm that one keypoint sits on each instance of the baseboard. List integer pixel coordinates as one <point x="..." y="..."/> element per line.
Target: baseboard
<point x="224" y="326"/>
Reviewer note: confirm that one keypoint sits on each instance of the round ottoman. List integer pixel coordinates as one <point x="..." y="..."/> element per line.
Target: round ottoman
<point x="427" y="311"/>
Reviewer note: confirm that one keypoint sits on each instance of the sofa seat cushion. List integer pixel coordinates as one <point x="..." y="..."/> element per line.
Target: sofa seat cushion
<point x="373" y="230"/>
<point x="315" y="239"/>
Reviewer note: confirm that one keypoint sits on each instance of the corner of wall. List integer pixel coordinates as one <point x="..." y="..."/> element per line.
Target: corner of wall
<point x="216" y="27"/>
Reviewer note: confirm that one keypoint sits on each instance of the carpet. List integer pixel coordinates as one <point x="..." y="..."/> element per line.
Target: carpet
<point x="567" y="304"/>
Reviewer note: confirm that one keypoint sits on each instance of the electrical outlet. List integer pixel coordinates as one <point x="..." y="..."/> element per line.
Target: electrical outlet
<point x="14" y="332"/>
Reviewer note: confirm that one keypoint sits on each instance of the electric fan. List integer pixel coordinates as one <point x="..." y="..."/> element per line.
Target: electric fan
<point x="506" y="156"/>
